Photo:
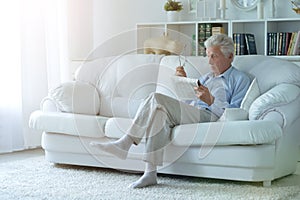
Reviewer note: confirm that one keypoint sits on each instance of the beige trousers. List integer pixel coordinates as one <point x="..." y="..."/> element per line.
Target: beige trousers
<point x="156" y="117"/>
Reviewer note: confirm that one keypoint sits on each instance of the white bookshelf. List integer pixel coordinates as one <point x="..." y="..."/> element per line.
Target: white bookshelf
<point x="184" y="30"/>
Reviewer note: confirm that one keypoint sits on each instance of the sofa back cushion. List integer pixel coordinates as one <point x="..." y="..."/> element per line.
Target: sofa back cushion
<point x="122" y="81"/>
<point x="252" y="93"/>
<point x="269" y="71"/>
<point x="91" y="70"/>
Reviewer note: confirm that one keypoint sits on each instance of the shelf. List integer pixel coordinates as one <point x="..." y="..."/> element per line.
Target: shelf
<point x="259" y="27"/>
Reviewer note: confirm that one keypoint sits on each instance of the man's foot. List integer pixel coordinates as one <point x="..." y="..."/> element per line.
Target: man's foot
<point x="118" y="148"/>
<point x="149" y="178"/>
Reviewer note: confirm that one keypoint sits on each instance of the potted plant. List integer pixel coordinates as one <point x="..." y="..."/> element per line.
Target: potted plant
<point x="173" y="7"/>
<point x="296" y="6"/>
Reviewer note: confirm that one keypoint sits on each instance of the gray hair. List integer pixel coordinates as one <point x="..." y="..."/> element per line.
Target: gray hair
<point x="224" y="41"/>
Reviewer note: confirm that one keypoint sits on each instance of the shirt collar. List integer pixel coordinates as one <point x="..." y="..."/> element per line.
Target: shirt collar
<point x="227" y="73"/>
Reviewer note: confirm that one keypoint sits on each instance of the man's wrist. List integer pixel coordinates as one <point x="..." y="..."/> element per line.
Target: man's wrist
<point x="212" y="100"/>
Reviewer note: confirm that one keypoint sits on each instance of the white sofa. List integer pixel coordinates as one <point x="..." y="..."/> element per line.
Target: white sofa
<point x="258" y="143"/>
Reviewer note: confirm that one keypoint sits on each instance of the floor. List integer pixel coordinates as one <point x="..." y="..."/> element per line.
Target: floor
<point x="38" y="152"/>
<point x="18" y="155"/>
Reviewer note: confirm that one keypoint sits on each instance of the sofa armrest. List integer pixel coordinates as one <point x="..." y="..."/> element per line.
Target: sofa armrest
<point x="283" y="99"/>
<point x="49" y="105"/>
<point x="289" y="113"/>
<point x="73" y="97"/>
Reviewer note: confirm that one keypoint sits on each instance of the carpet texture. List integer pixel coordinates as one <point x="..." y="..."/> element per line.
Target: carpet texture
<point x="35" y="178"/>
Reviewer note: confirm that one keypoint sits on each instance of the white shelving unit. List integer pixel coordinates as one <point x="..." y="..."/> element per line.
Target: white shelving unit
<point x="184" y="31"/>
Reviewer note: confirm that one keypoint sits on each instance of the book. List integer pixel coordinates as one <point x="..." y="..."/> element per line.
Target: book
<point x="275" y="43"/>
<point x="270" y="44"/>
<point x="296" y="49"/>
<point x="244" y="43"/>
<point x="237" y="43"/>
<point x="208" y="30"/>
<point x="184" y="87"/>
<point x="243" y="47"/>
<point x="281" y="43"/>
<point x="205" y="30"/>
<point x="201" y="39"/>
<point x="217" y="30"/>
<point x="292" y="43"/>
<point x="250" y="43"/>
<point x="287" y="38"/>
<point x="234" y="37"/>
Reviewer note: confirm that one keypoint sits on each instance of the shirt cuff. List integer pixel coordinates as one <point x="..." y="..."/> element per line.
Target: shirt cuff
<point x="218" y="107"/>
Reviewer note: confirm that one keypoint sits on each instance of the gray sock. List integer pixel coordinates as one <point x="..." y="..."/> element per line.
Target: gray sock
<point x="118" y="148"/>
<point x="149" y="177"/>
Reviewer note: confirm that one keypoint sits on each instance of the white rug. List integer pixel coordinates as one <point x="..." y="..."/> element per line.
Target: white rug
<point x="34" y="178"/>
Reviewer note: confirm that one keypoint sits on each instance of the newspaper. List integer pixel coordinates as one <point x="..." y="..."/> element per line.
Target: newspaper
<point x="184" y="87"/>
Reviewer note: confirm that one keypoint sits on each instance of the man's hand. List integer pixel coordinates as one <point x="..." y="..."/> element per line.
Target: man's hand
<point x="180" y="71"/>
<point x="203" y="94"/>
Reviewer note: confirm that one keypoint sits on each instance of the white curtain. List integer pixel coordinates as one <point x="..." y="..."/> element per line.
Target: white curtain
<point x="33" y="50"/>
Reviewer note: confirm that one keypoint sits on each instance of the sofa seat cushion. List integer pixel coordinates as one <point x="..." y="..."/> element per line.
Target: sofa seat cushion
<point x="68" y="123"/>
<point x="116" y="127"/>
<point x="227" y="133"/>
<point x="214" y="133"/>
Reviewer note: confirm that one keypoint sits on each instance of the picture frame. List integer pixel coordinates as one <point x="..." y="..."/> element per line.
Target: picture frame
<point x="192" y="6"/>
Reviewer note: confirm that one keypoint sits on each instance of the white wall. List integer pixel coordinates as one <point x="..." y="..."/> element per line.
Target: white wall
<point x="115" y="20"/>
<point x="80" y="28"/>
<point x="107" y="27"/>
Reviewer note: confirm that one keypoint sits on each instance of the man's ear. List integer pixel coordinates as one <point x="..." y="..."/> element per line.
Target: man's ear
<point x="231" y="56"/>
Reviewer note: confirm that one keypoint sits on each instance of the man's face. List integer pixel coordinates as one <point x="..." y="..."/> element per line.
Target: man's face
<point x="217" y="60"/>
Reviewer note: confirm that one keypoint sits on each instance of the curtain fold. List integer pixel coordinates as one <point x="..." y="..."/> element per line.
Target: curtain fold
<point x="34" y="59"/>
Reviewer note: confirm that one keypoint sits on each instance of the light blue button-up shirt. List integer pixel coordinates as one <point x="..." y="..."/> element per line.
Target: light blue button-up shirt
<point x="229" y="89"/>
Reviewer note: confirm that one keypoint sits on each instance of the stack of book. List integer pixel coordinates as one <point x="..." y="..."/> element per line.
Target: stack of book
<point x="205" y="30"/>
<point x="283" y="43"/>
<point x="244" y="43"/>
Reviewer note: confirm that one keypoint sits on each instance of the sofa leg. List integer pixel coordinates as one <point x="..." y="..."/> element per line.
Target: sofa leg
<point x="266" y="183"/>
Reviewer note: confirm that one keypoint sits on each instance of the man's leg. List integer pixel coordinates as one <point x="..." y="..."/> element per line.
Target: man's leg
<point x="155" y="116"/>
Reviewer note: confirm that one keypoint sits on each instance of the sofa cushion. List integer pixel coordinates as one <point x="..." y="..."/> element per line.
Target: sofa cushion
<point x="68" y="123"/>
<point x="116" y="127"/>
<point x="125" y="107"/>
<point x="220" y="133"/>
<point x="251" y="94"/>
<point x="76" y="97"/>
<point x="227" y="133"/>
<point x="130" y="76"/>
<point x="91" y="70"/>
<point x="269" y="71"/>
<point x="277" y="96"/>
